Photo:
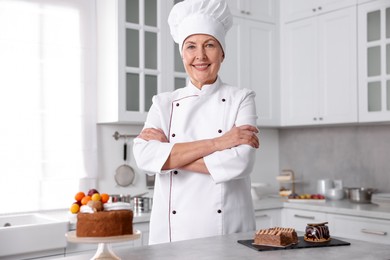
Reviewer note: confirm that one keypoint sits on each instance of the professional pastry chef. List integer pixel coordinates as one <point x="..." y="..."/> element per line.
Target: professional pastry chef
<point x="200" y="140"/>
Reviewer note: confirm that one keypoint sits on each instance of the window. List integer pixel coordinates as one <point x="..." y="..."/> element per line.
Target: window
<point x="47" y="102"/>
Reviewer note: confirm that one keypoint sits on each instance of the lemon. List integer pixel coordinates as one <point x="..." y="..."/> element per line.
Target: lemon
<point x="96" y="197"/>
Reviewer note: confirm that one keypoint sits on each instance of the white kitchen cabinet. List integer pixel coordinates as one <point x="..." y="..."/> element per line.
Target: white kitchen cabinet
<point x="300" y="9"/>
<point x="131" y="37"/>
<point x="298" y="219"/>
<point x="374" y="61"/>
<point x="251" y="62"/>
<point x="360" y="228"/>
<point x="144" y="228"/>
<point x="268" y="218"/>
<point x="319" y="69"/>
<point x="260" y="10"/>
<point x="365" y="1"/>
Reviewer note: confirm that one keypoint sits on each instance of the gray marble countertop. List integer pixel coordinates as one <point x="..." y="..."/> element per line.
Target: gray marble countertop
<point x="226" y="247"/>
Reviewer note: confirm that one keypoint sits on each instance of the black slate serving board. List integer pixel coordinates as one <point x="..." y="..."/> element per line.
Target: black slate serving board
<point x="301" y="244"/>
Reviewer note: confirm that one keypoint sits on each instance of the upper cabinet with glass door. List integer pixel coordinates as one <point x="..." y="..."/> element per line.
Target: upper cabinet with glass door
<point x="130" y="37"/>
<point x="374" y="61"/>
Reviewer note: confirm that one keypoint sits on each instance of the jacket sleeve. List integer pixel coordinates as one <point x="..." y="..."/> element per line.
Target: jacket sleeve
<point x="236" y="162"/>
<point x="150" y="156"/>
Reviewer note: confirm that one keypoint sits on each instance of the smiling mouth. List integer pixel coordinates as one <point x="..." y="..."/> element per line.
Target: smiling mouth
<point x="201" y="67"/>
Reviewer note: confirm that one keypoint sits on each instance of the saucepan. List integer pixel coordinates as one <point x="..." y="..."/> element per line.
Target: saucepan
<point x="360" y="194"/>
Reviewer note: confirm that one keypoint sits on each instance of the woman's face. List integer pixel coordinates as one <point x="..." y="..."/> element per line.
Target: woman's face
<point x="202" y="58"/>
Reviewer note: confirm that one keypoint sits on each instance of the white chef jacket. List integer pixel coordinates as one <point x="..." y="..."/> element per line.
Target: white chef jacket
<point x="188" y="205"/>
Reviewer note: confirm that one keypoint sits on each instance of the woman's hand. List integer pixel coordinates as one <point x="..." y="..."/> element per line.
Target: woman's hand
<point x="245" y="134"/>
<point x="153" y="134"/>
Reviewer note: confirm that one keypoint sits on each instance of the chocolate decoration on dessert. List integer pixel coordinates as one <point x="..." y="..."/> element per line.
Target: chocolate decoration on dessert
<point x="317" y="224"/>
<point x="317" y="232"/>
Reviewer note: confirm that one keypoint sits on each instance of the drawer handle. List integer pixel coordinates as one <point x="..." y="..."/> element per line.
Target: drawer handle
<point x="373" y="232"/>
<point x="301" y="216"/>
<point x="262" y="216"/>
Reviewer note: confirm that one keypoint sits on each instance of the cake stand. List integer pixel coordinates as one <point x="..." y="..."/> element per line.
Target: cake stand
<point x="104" y="251"/>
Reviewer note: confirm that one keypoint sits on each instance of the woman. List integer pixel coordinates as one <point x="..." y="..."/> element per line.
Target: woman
<point x="200" y="140"/>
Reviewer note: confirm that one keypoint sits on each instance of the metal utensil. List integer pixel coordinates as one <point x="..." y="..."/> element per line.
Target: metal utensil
<point x="360" y="195"/>
<point x="125" y="174"/>
<point x="125" y="197"/>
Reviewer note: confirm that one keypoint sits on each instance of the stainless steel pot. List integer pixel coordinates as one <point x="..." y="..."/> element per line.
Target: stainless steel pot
<point x="142" y="204"/>
<point x="360" y="195"/>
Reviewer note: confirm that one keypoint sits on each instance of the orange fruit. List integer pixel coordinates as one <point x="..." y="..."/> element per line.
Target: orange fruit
<point x="105" y="197"/>
<point x="74" y="208"/>
<point x="96" y="197"/>
<point x="79" y="196"/>
<point x="85" y="200"/>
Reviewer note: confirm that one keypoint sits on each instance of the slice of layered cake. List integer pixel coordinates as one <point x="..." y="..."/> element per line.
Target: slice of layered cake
<point x="276" y="236"/>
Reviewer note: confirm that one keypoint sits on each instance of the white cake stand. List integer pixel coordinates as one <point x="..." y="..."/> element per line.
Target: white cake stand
<point x="104" y="251"/>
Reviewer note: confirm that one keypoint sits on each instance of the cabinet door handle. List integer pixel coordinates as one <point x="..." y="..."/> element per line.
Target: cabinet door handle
<point x="248" y="13"/>
<point x="314" y="9"/>
<point x="302" y="216"/>
<point x="374" y="232"/>
<point x="262" y="216"/>
<point x="320" y="8"/>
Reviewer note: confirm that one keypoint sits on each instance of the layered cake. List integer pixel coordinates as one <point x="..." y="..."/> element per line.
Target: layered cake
<point x="276" y="236"/>
<point x="116" y="219"/>
<point x="317" y="233"/>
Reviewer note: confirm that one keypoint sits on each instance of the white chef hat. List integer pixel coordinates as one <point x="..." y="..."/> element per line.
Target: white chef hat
<point x="190" y="17"/>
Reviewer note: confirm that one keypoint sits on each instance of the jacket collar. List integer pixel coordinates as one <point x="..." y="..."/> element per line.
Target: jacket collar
<point x="205" y="90"/>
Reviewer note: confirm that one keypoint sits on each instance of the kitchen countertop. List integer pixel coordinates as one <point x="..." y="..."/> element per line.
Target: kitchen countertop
<point x="226" y="247"/>
<point x="344" y="207"/>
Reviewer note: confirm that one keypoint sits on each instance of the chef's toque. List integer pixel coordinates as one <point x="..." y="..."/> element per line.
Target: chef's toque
<point x="190" y="17"/>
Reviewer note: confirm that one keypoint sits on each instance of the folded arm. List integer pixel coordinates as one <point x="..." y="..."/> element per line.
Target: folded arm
<point x="189" y="155"/>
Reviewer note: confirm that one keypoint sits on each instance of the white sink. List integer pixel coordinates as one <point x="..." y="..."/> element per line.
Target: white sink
<point x="26" y="233"/>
